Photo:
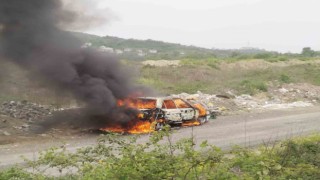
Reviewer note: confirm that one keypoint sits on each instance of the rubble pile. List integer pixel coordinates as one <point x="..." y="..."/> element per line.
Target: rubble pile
<point x="290" y="96"/>
<point x="25" y="110"/>
<point x="300" y="91"/>
<point x="286" y="96"/>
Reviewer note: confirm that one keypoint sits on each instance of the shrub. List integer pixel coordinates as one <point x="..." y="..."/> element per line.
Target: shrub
<point x="285" y="78"/>
<point x="253" y="86"/>
<point x="118" y="157"/>
<point x="263" y="56"/>
<point x="18" y="173"/>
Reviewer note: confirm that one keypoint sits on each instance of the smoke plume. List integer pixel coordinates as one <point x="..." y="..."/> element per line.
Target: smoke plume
<point x="30" y="36"/>
<point x="85" y="14"/>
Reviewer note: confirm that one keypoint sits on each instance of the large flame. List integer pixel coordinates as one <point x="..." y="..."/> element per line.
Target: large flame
<point x="137" y="103"/>
<point x="136" y="125"/>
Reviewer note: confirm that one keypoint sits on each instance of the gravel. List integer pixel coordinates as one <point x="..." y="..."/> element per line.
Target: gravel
<point x="25" y="110"/>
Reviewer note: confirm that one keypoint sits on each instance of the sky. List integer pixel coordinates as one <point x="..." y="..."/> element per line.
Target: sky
<point x="278" y="25"/>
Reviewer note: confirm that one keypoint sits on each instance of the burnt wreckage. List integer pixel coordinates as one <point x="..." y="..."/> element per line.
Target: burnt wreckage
<point x="172" y="111"/>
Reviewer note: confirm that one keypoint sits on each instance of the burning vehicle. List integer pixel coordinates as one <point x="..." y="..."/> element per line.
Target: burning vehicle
<point x="153" y="113"/>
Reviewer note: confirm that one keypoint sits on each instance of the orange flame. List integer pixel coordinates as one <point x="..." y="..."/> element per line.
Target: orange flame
<point x="181" y="104"/>
<point x="202" y="110"/>
<point x="138" y="103"/>
<point x="138" y="127"/>
<point x="191" y="123"/>
<point x="135" y="126"/>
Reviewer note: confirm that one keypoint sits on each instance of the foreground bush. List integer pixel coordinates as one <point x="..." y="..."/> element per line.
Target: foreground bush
<point x="116" y="157"/>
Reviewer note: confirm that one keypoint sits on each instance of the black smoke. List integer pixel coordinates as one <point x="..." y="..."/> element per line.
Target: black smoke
<point x="31" y="37"/>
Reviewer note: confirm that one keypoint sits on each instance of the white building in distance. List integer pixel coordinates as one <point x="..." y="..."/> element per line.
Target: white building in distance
<point x="127" y="50"/>
<point x="86" y="45"/>
<point x="119" y="51"/>
<point x="106" y="49"/>
<point x="153" y="51"/>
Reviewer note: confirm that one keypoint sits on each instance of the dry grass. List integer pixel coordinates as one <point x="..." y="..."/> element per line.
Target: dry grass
<point x="191" y="77"/>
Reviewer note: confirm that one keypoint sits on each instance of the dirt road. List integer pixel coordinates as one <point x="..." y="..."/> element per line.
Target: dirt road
<point x="247" y="129"/>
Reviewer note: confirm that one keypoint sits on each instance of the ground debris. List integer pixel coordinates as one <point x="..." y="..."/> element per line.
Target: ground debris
<point x="284" y="97"/>
<point x="25" y="110"/>
<point x="6" y="133"/>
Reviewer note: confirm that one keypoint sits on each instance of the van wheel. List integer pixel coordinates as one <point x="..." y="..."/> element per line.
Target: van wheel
<point x="202" y="120"/>
<point x="159" y="126"/>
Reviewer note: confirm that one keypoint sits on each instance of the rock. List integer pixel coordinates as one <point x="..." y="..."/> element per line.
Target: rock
<point x="283" y="90"/>
<point x="25" y="126"/>
<point x="244" y="97"/>
<point x="210" y="104"/>
<point x="193" y="97"/>
<point x="5" y="133"/>
<point x="200" y="93"/>
<point x="222" y="96"/>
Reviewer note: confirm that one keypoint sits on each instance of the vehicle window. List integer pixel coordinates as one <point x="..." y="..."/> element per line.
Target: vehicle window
<point x="145" y="103"/>
<point x="168" y="104"/>
<point x="139" y="103"/>
<point x="181" y="104"/>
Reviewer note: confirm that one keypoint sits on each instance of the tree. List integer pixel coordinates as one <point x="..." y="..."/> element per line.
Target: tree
<point x="307" y="51"/>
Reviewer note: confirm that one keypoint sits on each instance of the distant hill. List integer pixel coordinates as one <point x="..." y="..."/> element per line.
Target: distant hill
<point x="133" y="49"/>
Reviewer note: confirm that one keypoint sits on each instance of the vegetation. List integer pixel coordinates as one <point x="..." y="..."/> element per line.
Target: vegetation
<point x="206" y="70"/>
<point x="201" y="68"/>
<point x="210" y="75"/>
<point x="168" y="51"/>
<point x="251" y="87"/>
<point x="216" y="76"/>
<point x="117" y="157"/>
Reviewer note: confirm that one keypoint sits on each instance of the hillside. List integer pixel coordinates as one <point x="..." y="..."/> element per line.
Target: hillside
<point x="134" y="49"/>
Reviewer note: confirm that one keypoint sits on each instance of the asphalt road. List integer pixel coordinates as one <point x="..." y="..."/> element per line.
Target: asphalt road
<point x="246" y="129"/>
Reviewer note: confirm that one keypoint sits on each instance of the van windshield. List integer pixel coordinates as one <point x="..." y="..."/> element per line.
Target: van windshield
<point x="143" y="103"/>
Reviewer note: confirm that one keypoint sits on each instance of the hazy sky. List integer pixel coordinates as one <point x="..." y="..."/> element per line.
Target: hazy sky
<point x="282" y="25"/>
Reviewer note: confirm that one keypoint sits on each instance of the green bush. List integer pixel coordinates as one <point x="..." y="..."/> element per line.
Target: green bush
<point x="244" y="56"/>
<point x="285" y="78"/>
<point x="292" y="159"/>
<point x="118" y="157"/>
<point x="253" y="86"/>
<point x="18" y="173"/>
<point x="263" y="56"/>
<point x="210" y="62"/>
